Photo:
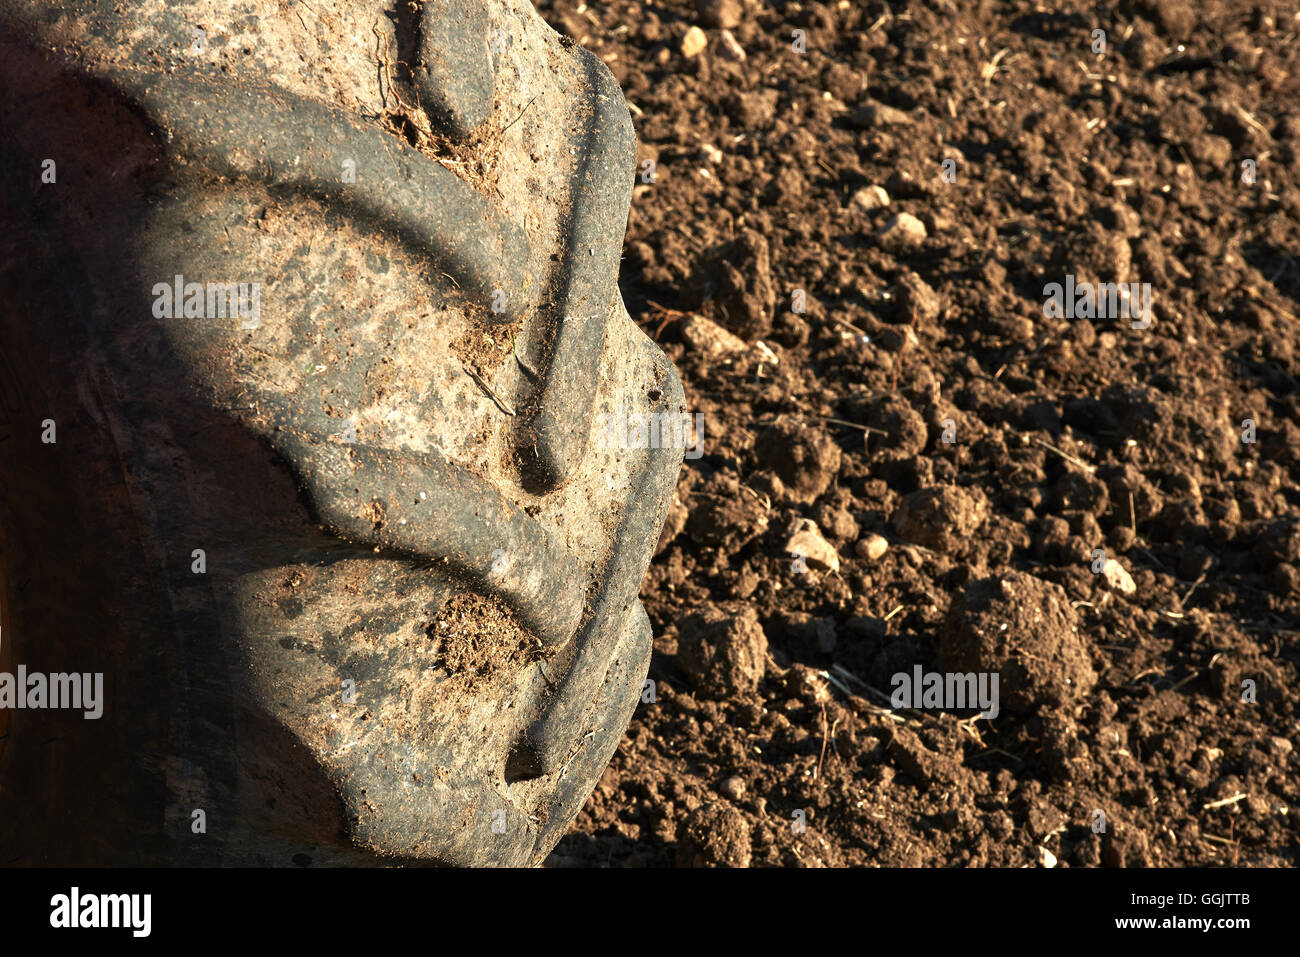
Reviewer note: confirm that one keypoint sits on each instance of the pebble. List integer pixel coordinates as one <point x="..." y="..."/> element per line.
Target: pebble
<point x="897" y="338"/>
<point x="877" y="114"/>
<point x="1046" y="857"/>
<point x="694" y="42"/>
<point x="730" y="47"/>
<point x="903" y="233"/>
<point x="817" y="552"/>
<point x="707" y="337"/>
<point x="869" y="198"/>
<point x="1117" y="577"/>
<point x="711" y="153"/>
<point x="733" y="788"/>
<point x="872" y="548"/>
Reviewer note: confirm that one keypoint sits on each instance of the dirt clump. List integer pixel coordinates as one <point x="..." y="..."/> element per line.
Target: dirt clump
<point x="942" y="517"/>
<point x="479" y="639"/>
<point x="804" y="457"/>
<point x="714" y="836"/>
<point x="1016" y="442"/>
<point x="723" y="654"/>
<point x="1024" y="630"/>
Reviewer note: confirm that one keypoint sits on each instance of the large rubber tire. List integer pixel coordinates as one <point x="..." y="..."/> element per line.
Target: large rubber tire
<point x="359" y="564"/>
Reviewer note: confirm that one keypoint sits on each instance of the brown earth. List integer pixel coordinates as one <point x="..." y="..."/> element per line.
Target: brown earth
<point x="911" y="385"/>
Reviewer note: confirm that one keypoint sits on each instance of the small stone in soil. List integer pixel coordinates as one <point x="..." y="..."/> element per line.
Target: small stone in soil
<point x="708" y="338"/>
<point x="877" y="114"/>
<point x="730" y="47"/>
<point x="903" y="233"/>
<point x="1117" y="577"/>
<point x="869" y="198"/>
<point x="694" y="42"/>
<point x="872" y="548"/>
<point x="808" y="542"/>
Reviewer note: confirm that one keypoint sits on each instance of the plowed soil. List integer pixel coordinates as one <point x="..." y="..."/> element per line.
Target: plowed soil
<point x="911" y="384"/>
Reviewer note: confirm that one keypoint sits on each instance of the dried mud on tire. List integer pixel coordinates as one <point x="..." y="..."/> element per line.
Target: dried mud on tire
<point x="994" y="448"/>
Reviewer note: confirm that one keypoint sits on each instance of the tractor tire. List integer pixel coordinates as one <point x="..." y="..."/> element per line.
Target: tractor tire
<point x="310" y="334"/>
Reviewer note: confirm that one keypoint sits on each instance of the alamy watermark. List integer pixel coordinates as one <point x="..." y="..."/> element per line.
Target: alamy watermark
<point x="75" y="910"/>
<point x="84" y="691"/>
<point x="948" y="691"/>
<point x="659" y="430"/>
<point x="179" y="299"/>
<point x="1103" y="300"/>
